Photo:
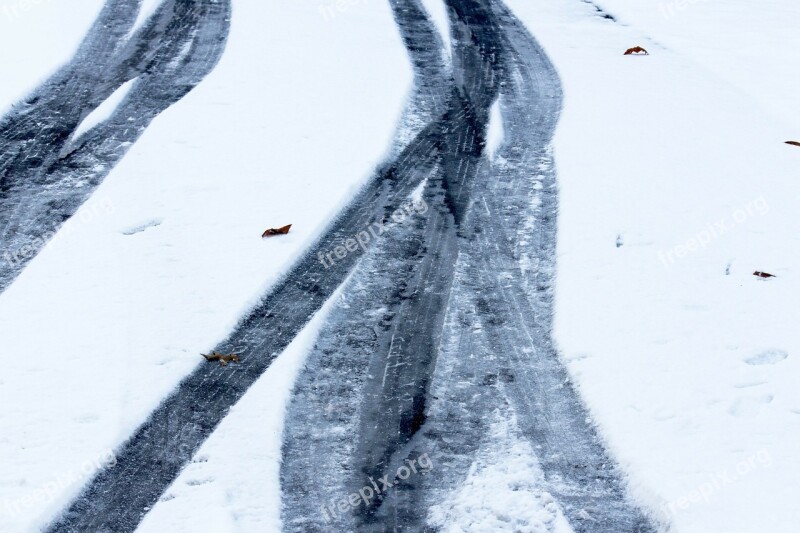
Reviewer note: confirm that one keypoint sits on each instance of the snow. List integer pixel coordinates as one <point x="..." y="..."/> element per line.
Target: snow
<point x="503" y="490"/>
<point x="119" y="306"/>
<point x="147" y="8"/>
<point x="104" y="111"/>
<point x="675" y="187"/>
<point x="437" y="10"/>
<point x="752" y="45"/>
<point x="37" y="37"/>
<point x="495" y="133"/>
<point x="233" y="483"/>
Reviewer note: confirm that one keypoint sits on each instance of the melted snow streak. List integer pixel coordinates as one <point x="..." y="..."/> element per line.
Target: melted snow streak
<point x="46" y="173"/>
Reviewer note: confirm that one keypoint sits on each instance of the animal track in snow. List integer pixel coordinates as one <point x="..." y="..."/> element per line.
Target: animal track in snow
<point x="750" y="406"/>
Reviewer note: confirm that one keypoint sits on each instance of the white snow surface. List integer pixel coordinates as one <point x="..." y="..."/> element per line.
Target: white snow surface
<point x="147" y="8"/>
<point x="167" y="256"/>
<point x="675" y="185"/>
<point x="495" y="133"/>
<point x="104" y="111"/>
<point x="503" y="491"/>
<point x="36" y="38"/>
<point x="233" y="483"/>
<point x="749" y="43"/>
<point x="689" y="372"/>
<point x="438" y="12"/>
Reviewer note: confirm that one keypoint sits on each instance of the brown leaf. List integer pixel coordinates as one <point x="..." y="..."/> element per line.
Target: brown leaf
<point x="223" y="359"/>
<point x="763" y="274"/>
<point x="793" y="143"/>
<point x="636" y="50"/>
<point x="276" y="231"/>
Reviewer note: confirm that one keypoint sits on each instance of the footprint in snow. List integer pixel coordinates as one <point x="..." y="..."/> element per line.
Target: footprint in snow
<point x="198" y="482"/>
<point x="143" y="227"/>
<point x="768" y="357"/>
<point x="750" y="406"/>
<point x="748" y="384"/>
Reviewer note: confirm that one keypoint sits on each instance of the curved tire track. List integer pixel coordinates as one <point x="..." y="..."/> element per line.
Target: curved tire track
<point x="383" y="369"/>
<point x="46" y="174"/>
<point x="117" y="498"/>
<point x="392" y="377"/>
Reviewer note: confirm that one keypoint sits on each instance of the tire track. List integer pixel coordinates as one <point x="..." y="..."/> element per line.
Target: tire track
<point x="446" y="319"/>
<point x="117" y="498"/>
<point x="45" y="173"/>
<point x="403" y="287"/>
<point x="393" y="377"/>
<point x="516" y="228"/>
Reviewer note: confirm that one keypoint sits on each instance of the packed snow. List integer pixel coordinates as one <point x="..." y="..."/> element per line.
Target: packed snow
<point x="503" y="491"/>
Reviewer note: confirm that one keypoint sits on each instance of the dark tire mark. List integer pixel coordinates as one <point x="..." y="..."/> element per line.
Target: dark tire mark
<point x="46" y="174"/>
<point x="392" y="377"/>
<point x="378" y="371"/>
<point x="579" y="473"/>
<point x="409" y="279"/>
<point x="403" y="257"/>
<point x="433" y="74"/>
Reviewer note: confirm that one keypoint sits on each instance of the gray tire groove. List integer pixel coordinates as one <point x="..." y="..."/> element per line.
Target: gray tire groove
<point x="373" y="362"/>
<point x="118" y="498"/>
<point x="408" y="280"/>
<point x="407" y="258"/>
<point x="309" y="456"/>
<point x="45" y="174"/>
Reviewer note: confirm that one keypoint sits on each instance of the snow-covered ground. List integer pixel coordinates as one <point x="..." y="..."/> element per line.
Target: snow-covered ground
<point x="168" y="254"/>
<point x="233" y="483"/>
<point x="503" y="491"/>
<point x="37" y="36"/>
<point x="675" y="187"/>
<point x="751" y="44"/>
